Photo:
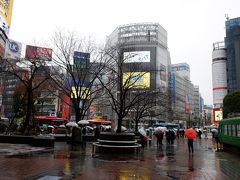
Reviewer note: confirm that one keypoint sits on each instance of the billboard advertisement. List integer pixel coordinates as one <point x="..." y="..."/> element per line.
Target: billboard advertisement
<point x="173" y="87"/>
<point x="217" y="115"/>
<point x="13" y="49"/>
<point x="6" y="15"/>
<point x="81" y="59"/>
<point x="83" y="93"/>
<point x="187" y="104"/>
<point x="137" y="79"/>
<point x="136" y="56"/>
<point x="38" y="53"/>
<point x="2" y="47"/>
<point x="163" y="73"/>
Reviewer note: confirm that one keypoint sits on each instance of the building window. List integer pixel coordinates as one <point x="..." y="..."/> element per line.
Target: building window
<point x="238" y="130"/>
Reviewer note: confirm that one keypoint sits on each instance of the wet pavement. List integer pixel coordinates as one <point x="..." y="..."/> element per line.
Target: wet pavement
<point x="152" y="162"/>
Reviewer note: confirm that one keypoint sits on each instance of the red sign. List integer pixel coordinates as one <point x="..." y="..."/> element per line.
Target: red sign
<point x="38" y="53"/>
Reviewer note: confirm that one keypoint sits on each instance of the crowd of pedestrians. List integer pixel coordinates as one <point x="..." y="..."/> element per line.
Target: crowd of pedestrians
<point x="191" y="134"/>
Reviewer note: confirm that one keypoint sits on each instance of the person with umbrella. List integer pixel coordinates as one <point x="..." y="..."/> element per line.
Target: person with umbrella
<point x="191" y="134"/>
<point x="216" y="139"/>
<point x="159" y="135"/>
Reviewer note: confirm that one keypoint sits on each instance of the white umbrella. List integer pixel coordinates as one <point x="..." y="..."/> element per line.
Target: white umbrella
<point x="214" y="130"/>
<point x="72" y="124"/>
<point x="62" y="126"/>
<point x="83" y="122"/>
<point x="163" y="129"/>
<point x="50" y="126"/>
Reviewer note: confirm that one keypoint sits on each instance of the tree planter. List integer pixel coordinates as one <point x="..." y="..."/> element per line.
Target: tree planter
<point x="109" y="142"/>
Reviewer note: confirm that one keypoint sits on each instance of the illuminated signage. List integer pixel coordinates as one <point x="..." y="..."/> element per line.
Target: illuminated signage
<point x="136" y="56"/>
<point x="136" y="79"/>
<point x="81" y="59"/>
<point x="13" y="49"/>
<point x="38" y="53"/>
<point x="218" y="115"/>
<point x="83" y="93"/>
<point x="5" y="15"/>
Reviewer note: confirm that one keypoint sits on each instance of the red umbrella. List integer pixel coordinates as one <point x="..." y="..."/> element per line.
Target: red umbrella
<point x="190" y="133"/>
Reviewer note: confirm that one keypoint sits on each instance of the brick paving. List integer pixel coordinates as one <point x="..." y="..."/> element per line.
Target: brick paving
<point x="166" y="162"/>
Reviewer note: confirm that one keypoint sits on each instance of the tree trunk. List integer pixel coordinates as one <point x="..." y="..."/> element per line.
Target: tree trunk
<point x="136" y="126"/>
<point x="119" y="125"/>
<point x="77" y="114"/>
<point x="29" y="110"/>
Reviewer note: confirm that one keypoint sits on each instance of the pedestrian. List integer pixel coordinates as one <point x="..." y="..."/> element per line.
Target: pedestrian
<point x="96" y="133"/>
<point x="199" y="132"/>
<point x="84" y="136"/>
<point x="216" y="139"/>
<point x="191" y="135"/>
<point x="74" y="137"/>
<point x="159" y="135"/>
<point x="167" y="134"/>
<point x="143" y="140"/>
<point x="172" y="136"/>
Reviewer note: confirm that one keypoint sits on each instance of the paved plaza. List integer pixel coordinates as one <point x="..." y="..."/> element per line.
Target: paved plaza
<point x="152" y="162"/>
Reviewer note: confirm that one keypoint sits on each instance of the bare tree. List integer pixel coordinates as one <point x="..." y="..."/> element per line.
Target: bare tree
<point x="124" y="79"/>
<point x="32" y="75"/>
<point x="77" y="78"/>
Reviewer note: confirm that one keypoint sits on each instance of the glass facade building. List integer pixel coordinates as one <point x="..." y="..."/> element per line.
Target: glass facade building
<point x="232" y="43"/>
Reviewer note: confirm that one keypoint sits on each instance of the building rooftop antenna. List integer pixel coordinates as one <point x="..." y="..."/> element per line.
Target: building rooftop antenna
<point x="226" y="16"/>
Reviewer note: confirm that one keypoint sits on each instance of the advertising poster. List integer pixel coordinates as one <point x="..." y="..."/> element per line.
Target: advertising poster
<point x="38" y="53"/>
<point x="187" y="104"/>
<point x="2" y="47"/>
<point x="137" y="79"/>
<point x="136" y="56"/>
<point x="6" y="15"/>
<point x="83" y="93"/>
<point x="81" y="59"/>
<point x="217" y="115"/>
<point x="13" y="49"/>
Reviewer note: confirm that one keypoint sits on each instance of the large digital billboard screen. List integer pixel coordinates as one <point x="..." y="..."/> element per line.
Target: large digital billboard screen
<point x="38" y="53"/>
<point x="5" y="15"/>
<point x="136" y="56"/>
<point x="136" y="79"/>
<point x="83" y="89"/>
<point x="83" y="93"/>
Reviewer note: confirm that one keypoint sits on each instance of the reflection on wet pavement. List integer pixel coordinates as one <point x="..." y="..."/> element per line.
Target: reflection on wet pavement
<point x="152" y="162"/>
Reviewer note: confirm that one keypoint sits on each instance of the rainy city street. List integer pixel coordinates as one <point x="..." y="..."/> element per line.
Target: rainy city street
<point x="152" y="162"/>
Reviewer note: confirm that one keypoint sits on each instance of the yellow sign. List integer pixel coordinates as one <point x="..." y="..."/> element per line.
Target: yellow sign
<point x="6" y="7"/>
<point x="136" y="79"/>
<point x="83" y="93"/>
<point x="218" y="115"/>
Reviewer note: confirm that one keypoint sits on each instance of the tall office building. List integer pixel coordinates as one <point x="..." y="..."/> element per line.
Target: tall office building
<point x="182" y="94"/>
<point x="219" y="73"/>
<point x="148" y="43"/>
<point x="232" y="44"/>
<point x="182" y="69"/>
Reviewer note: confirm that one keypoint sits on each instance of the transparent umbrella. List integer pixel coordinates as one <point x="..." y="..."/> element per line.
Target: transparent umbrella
<point x="72" y="124"/>
<point x="83" y="122"/>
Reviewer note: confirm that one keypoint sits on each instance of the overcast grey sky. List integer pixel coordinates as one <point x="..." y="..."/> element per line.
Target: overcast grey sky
<point x="192" y="25"/>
